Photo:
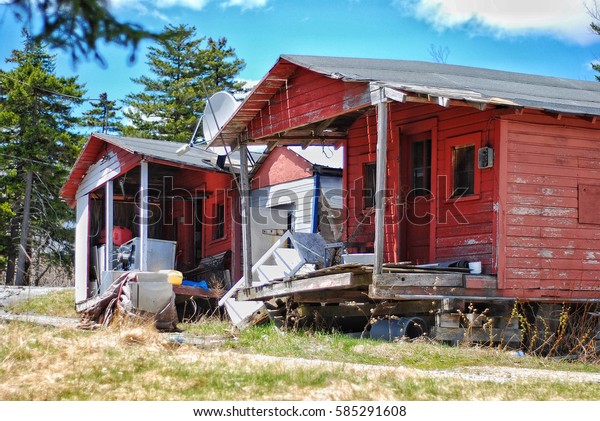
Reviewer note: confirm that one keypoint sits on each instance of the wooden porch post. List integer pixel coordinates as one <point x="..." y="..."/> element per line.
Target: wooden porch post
<point x="143" y="216"/>
<point x="245" y="202"/>
<point x="381" y="164"/>
<point x="108" y="224"/>
<point x="82" y="248"/>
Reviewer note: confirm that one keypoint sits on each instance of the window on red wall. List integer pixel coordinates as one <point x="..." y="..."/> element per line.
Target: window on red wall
<point x="421" y="167"/>
<point x="369" y="184"/>
<point x="464" y="174"/>
<point x="463" y="158"/>
<point x="219" y="227"/>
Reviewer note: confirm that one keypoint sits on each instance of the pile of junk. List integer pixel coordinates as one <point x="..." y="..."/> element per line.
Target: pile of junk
<point x="120" y="288"/>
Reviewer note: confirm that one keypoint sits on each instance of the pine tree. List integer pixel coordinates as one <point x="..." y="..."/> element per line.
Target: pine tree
<point x="38" y="148"/>
<point x="102" y="117"/>
<point x="76" y="26"/>
<point x="183" y="71"/>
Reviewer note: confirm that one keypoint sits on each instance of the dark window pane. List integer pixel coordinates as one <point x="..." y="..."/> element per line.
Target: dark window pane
<point x="464" y="171"/>
<point x="219" y="231"/>
<point x="369" y="185"/>
<point x="421" y="167"/>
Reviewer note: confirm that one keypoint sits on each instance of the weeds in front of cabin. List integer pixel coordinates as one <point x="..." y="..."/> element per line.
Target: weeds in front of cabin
<point x="562" y="331"/>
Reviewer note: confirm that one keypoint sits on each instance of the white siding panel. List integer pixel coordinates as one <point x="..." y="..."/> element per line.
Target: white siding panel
<point x="331" y="188"/>
<point x="270" y="207"/>
<point x="99" y="173"/>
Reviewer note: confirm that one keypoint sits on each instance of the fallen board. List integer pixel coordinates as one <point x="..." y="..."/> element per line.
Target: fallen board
<point x="280" y="289"/>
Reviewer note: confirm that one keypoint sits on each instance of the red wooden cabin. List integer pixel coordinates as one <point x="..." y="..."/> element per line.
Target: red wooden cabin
<point x="477" y="165"/>
<point x="188" y="208"/>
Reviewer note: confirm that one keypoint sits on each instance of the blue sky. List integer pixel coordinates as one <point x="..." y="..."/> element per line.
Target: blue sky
<point x="548" y="37"/>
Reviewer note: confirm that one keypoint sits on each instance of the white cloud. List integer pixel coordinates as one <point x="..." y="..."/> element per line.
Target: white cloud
<point x="563" y="19"/>
<point x="245" y="4"/>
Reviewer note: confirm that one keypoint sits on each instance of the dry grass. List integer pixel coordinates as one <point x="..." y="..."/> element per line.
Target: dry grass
<point x="130" y="360"/>
<point x="135" y="362"/>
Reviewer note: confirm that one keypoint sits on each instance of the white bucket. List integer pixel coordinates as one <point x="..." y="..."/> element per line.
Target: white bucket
<point x="475" y="268"/>
<point x="362" y="258"/>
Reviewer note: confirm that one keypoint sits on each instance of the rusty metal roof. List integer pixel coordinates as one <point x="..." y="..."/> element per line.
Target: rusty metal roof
<point x="476" y="86"/>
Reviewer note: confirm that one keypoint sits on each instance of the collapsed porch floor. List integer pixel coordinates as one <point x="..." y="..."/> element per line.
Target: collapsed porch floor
<point x="403" y="290"/>
<point x="354" y="282"/>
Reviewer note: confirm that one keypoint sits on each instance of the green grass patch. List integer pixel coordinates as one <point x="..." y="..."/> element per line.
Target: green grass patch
<point x="421" y="354"/>
<point x="56" y="303"/>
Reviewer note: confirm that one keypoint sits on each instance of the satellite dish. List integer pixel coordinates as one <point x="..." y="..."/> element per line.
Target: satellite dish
<point x="219" y="109"/>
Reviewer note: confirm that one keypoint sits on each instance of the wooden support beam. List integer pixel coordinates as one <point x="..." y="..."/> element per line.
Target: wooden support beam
<point x="332" y="297"/>
<point x="435" y="292"/>
<point x="143" y="216"/>
<point x="322" y="126"/>
<point x="381" y="167"/>
<point x="400" y="308"/>
<point x="245" y="204"/>
<point x="419" y="279"/>
<point x="108" y="224"/>
<point x="270" y="146"/>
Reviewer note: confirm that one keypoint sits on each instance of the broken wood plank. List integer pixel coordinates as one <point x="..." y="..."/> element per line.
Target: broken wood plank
<point x="196" y="292"/>
<point x="398" y="292"/>
<point x="419" y="279"/>
<point x="405" y="308"/>
<point x="344" y="268"/>
<point x="280" y="289"/>
<point x="360" y="295"/>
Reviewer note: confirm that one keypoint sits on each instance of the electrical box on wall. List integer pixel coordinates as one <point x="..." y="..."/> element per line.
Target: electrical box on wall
<point x="485" y="157"/>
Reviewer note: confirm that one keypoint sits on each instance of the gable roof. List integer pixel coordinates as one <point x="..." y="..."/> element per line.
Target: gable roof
<point x="163" y="150"/>
<point x="157" y="150"/>
<point x="425" y="80"/>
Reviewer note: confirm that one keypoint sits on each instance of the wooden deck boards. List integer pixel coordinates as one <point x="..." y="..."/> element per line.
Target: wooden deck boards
<point x="333" y="282"/>
<point x="354" y="282"/>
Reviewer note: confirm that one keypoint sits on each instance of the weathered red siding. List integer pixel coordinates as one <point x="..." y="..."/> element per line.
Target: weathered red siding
<point x="307" y="97"/>
<point x="282" y="165"/>
<point x="217" y="187"/>
<point x="546" y="247"/>
<point x="451" y="237"/>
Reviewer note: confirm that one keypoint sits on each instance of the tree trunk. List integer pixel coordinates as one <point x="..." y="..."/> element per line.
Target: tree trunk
<point x="12" y="251"/>
<point x="21" y="262"/>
